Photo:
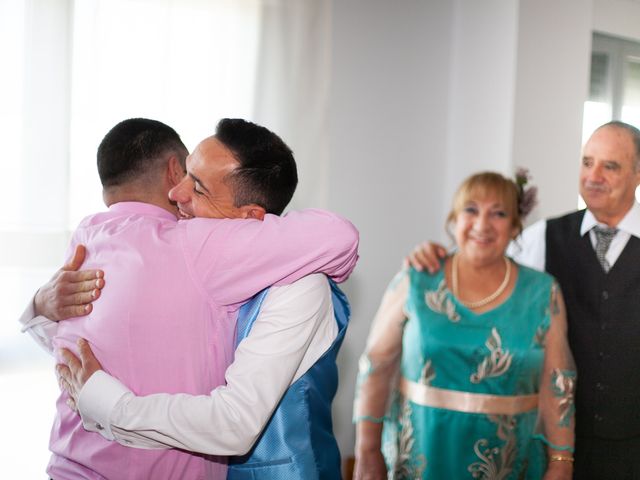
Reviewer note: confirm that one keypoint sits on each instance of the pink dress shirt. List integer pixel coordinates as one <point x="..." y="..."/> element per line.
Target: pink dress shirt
<point x="166" y="321"/>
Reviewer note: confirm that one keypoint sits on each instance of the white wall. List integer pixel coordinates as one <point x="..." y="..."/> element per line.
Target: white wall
<point x="426" y="92"/>
<point x="620" y="18"/>
<point x="484" y="37"/>
<point x="388" y="131"/>
<point x="553" y="58"/>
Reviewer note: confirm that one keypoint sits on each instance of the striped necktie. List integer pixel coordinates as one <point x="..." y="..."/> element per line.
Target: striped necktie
<point x="604" y="235"/>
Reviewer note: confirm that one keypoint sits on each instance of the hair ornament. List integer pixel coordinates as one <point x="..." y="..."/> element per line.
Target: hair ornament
<point x="527" y="196"/>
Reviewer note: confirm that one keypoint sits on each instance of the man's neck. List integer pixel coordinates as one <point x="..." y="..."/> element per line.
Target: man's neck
<point x="124" y="194"/>
<point x="611" y="220"/>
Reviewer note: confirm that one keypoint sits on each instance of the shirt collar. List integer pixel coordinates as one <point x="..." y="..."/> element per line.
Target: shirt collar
<point x="143" y="209"/>
<point x="629" y="224"/>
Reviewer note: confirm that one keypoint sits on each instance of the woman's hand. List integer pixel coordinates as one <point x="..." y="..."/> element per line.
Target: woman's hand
<point x="370" y="466"/>
<point x="559" y="471"/>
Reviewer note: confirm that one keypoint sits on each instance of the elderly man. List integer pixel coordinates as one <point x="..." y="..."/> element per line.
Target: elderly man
<point x="167" y="320"/>
<point x="595" y="255"/>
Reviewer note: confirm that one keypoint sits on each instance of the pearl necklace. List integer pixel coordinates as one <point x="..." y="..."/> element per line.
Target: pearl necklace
<point x="486" y="300"/>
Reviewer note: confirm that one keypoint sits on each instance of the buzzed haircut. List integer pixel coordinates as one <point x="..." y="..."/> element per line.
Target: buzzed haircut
<point x="267" y="175"/>
<point x="136" y="148"/>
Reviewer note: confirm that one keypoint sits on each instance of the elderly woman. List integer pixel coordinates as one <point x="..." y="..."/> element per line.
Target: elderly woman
<point x="467" y="372"/>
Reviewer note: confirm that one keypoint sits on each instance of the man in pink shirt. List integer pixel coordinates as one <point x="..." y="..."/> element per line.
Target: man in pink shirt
<point x="167" y="321"/>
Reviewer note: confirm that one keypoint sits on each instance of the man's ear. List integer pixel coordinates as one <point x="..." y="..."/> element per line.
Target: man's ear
<point x="253" y="211"/>
<point x="175" y="171"/>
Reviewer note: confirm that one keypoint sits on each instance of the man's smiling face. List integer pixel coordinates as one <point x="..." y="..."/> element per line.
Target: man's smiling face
<point x="205" y="190"/>
<point x="609" y="174"/>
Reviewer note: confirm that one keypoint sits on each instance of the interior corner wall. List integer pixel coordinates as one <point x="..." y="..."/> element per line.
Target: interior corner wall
<point x="481" y="97"/>
<point x="551" y="88"/>
<point x="388" y="124"/>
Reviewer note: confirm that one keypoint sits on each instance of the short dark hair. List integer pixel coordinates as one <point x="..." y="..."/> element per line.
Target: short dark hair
<point x="134" y="147"/>
<point x="635" y="136"/>
<point x="267" y="175"/>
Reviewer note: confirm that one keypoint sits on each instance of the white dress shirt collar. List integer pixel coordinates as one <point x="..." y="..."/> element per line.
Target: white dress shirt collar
<point x="630" y="223"/>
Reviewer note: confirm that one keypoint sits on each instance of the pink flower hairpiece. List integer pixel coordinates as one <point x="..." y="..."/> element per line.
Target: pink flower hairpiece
<point x="527" y="197"/>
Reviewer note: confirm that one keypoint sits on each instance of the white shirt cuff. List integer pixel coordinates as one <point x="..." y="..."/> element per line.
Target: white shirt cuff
<point x="28" y="315"/>
<point x="40" y="328"/>
<point x="97" y="401"/>
<point x="38" y="321"/>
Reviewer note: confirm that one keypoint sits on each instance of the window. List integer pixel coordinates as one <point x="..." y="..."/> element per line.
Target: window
<point x="77" y="68"/>
<point x="614" y="87"/>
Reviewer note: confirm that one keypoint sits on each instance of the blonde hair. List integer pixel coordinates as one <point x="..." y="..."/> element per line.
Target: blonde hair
<point x="488" y="184"/>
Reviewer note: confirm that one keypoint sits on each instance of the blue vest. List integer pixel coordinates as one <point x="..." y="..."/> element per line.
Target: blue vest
<point x="298" y="441"/>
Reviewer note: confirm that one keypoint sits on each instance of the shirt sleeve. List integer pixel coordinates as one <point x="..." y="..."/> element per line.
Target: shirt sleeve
<point x="234" y="259"/>
<point x="295" y="327"/>
<point x="380" y="363"/>
<point x="530" y="248"/>
<point x="558" y="382"/>
<point x="41" y="329"/>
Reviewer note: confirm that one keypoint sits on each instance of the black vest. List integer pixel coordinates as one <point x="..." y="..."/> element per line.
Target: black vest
<point x="603" y="311"/>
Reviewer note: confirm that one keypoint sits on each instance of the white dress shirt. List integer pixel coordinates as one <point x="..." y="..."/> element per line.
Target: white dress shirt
<point x="530" y="248"/>
<point x="296" y="325"/>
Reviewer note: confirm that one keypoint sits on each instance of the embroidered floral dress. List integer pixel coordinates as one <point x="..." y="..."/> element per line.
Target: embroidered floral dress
<point x="465" y="395"/>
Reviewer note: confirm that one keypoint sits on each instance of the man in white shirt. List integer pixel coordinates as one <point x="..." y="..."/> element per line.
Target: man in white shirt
<point x="595" y="256"/>
<point x="295" y="328"/>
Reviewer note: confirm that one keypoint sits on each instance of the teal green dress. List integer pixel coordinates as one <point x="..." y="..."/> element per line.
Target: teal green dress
<point x="453" y="351"/>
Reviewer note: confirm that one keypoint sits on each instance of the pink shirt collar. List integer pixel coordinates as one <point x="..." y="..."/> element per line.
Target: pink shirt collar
<point x="142" y="208"/>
